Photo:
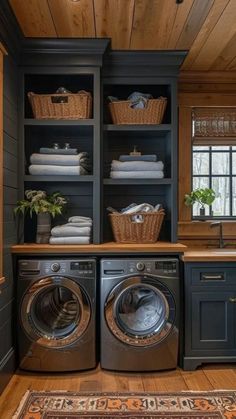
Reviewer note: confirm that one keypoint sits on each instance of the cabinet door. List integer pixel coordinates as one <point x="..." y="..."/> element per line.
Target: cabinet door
<point x="212" y="320"/>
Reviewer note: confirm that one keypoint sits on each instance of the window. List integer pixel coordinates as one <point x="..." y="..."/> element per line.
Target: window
<point x="214" y="158"/>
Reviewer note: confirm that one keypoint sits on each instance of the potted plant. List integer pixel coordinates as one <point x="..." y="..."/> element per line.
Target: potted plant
<point x="202" y="196"/>
<point x="44" y="206"/>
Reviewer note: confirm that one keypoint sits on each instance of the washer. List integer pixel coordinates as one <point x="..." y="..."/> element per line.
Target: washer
<point x="139" y="314"/>
<point x="56" y="314"/>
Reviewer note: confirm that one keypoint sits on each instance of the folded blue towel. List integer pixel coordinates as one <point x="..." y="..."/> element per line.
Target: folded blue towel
<point x="48" y="150"/>
<point x="143" y="157"/>
<point x="139" y="166"/>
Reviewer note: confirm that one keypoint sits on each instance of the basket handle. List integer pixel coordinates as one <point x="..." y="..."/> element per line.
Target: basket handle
<point x="59" y="99"/>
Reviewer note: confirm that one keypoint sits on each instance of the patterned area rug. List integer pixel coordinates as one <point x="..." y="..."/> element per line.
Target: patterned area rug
<point x="182" y="405"/>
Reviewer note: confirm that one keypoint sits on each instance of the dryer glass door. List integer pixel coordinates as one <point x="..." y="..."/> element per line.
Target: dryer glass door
<point x="55" y="311"/>
<point x="140" y="311"/>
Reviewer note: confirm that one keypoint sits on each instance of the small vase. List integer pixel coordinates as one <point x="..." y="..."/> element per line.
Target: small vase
<point x="43" y="227"/>
<point x="202" y="212"/>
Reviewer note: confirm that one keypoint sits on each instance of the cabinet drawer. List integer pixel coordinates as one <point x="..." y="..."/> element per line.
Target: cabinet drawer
<point x="212" y="276"/>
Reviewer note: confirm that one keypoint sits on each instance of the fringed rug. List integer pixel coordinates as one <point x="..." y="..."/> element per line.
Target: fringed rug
<point x="182" y="405"/>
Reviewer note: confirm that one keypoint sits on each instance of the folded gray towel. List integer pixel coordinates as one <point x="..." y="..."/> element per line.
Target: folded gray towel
<point x="154" y="174"/>
<point x="140" y="166"/>
<point x="58" y="160"/>
<point x="43" y="169"/>
<point x="69" y="240"/>
<point x="79" y="219"/>
<point x="143" y="157"/>
<point x="82" y="224"/>
<point x="66" y="230"/>
<point x="48" y="150"/>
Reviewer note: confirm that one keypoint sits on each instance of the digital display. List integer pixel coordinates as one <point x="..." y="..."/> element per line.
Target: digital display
<point x="81" y="266"/>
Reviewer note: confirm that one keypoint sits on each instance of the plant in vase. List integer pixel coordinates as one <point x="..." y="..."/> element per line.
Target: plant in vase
<point x="44" y="206"/>
<point x="202" y="196"/>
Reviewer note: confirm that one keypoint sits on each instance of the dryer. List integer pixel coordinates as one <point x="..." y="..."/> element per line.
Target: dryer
<point x="139" y="314"/>
<point x="56" y="314"/>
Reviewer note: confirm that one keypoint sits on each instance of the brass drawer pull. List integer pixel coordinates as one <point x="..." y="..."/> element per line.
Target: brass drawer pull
<point x="232" y="300"/>
<point x="212" y="277"/>
<point x="2" y="280"/>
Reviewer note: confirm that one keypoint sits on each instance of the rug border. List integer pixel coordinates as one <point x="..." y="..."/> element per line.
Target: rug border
<point x="28" y="392"/>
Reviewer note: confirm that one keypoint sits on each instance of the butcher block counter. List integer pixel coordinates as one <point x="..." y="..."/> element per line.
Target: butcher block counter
<point x="105" y="248"/>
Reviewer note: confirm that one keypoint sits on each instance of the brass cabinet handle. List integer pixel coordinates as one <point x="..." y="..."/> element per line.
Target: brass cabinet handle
<point x="232" y="300"/>
<point x="2" y="280"/>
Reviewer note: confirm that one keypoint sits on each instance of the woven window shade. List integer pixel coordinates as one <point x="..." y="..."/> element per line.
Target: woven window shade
<point x="214" y="126"/>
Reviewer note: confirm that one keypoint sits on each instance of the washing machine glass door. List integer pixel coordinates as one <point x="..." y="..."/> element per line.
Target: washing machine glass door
<point x="55" y="311"/>
<point x="140" y="311"/>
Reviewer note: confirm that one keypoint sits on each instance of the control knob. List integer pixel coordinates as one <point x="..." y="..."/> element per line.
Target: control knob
<point x="55" y="267"/>
<point x="140" y="266"/>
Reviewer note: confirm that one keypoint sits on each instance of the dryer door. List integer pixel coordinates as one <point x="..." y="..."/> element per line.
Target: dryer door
<point x="140" y="311"/>
<point x="55" y="311"/>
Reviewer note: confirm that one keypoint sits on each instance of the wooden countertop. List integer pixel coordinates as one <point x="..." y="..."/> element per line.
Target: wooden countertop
<point x="111" y="247"/>
<point x="209" y="255"/>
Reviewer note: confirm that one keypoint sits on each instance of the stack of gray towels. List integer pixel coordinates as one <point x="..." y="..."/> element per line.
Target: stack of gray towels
<point x="137" y="166"/>
<point x="76" y="231"/>
<point x="59" y="161"/>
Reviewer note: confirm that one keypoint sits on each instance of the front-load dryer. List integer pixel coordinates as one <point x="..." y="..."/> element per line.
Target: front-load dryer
<point x="56" y="314"/>
<point x="139" y="314"/>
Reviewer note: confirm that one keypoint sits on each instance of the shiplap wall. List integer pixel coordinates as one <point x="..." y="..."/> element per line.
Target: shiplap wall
<point x="10" y="192"/>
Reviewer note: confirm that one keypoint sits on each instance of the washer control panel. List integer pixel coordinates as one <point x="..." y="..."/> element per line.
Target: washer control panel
<point x="75" y="267"/>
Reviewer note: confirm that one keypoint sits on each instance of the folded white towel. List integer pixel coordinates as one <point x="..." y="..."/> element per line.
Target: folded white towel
<point x="139" y="166"/>
<point x="143" y="157"/>
<point x="66" y="230"/>
<point x="51" y="150"/>
<point x="40" y="170"/>
<point x="58" y="159"/>
<point x="69" y="240"/>
<point x="140" y="175"/>
<point x="79" y="219"/>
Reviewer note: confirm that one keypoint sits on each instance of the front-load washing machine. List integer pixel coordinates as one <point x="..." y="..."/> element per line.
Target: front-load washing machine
<point x="56" y="314"/>
<point x="139" y="314"/>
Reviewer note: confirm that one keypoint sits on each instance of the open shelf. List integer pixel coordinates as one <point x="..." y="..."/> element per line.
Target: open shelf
<point x="139" y="127"/>
<point x="165" y="181"/>
<point x="59" y="122"/>
<point x="55" y="178"/>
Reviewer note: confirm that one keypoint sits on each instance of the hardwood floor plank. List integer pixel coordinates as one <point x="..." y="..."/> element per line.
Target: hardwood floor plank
<point x="196" y="380"/>
<point x="221" y="377"/>
<point x="207" y="378"/>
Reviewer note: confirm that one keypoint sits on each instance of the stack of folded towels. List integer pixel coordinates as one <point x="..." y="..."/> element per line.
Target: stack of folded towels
<point x="59" y="161"/>
<point x="137" y="166"/>
<point x="76" y="231"/>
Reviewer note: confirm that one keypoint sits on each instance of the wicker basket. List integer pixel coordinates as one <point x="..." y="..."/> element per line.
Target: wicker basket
<point x="122" y="112"/>
<point x="61" y="106"/>
<point x="127" y="230"/>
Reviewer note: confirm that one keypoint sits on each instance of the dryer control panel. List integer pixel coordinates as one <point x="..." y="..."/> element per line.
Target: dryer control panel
<point x="61" y="267"/>
<point x="158" y="266"/>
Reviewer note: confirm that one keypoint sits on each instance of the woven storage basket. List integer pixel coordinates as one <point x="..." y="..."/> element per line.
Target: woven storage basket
<point x="61" y="106"/>
<point x="122" y="112"/>
<point x="126" y="230"/>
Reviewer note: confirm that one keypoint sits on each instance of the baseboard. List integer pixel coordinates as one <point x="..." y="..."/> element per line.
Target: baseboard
<point x="7" y="369"/>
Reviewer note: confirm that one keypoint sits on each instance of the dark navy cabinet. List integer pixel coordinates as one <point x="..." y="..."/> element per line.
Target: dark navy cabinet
<point x="210" y="313"/>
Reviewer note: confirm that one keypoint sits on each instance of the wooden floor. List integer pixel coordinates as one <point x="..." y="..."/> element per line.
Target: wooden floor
<point x="207" y="378"/>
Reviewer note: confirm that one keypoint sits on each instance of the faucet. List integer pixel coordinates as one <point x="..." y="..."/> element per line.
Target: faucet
<point x="221" y="241"/>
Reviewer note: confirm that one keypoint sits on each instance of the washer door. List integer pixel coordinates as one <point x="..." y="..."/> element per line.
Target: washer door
<point x="55" y="311"/>
<point x="140" y="311"/>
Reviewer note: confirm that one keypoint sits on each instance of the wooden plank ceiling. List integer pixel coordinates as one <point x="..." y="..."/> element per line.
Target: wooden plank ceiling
<point x="207" y="28"/>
